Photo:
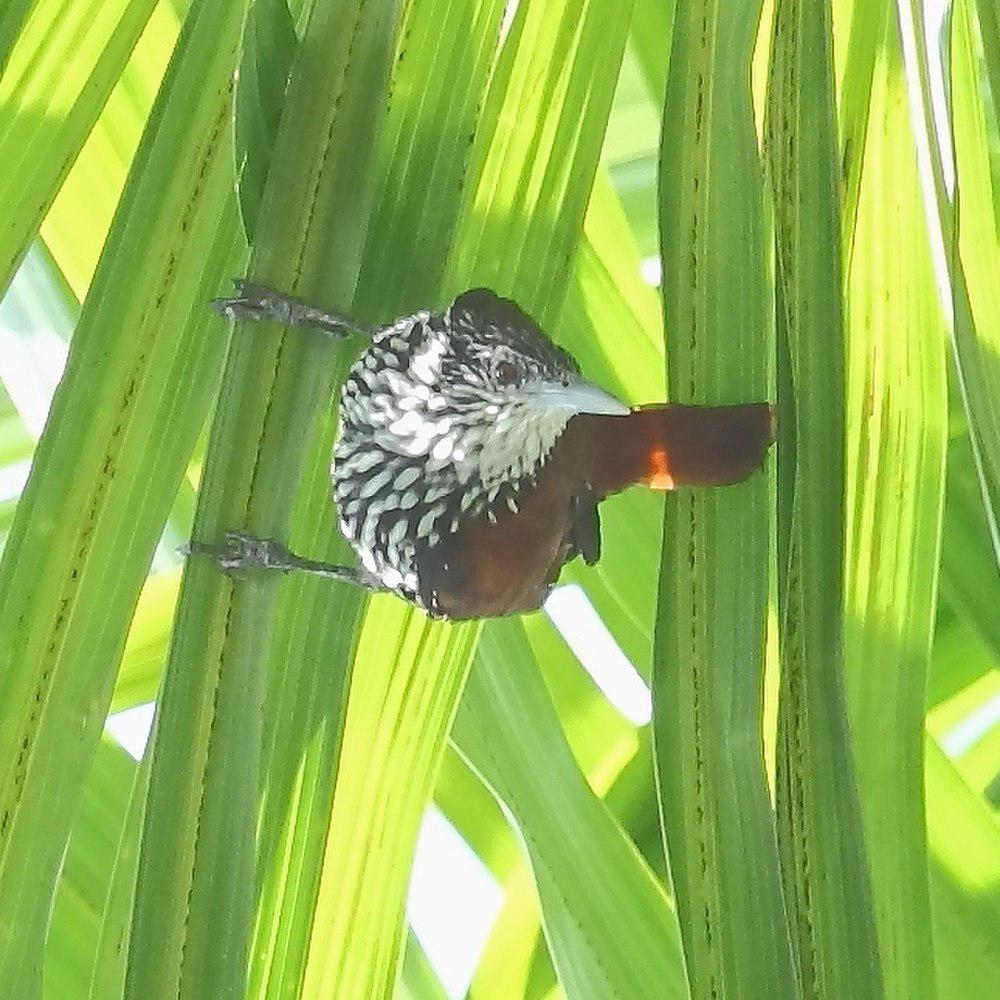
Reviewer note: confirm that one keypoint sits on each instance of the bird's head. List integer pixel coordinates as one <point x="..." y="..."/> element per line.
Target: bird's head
<point x="477" y="394"/>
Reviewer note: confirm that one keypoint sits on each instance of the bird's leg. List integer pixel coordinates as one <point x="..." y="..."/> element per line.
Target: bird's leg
<point x="239" y="551"/>
<point x="257" y="302"/>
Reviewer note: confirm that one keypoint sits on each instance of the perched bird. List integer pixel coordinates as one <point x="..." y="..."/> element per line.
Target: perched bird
<point x="472" y="456"/>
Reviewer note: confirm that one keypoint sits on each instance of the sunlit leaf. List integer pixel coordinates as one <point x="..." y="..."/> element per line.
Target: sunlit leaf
<point x="417" y="148"/>
<point x="612" y="933"/>
<point x="819" y="816"/>
<point x="138" y="382"/>
<point x="65" y="61"/>
<point x="709" y="652"/>
<point x="896" y="440"/>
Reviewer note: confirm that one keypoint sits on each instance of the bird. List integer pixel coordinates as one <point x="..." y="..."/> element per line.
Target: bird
<point x="472" y="456"/>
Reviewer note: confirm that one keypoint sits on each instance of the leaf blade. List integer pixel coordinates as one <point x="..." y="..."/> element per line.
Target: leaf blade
<point x="709" y="640"/>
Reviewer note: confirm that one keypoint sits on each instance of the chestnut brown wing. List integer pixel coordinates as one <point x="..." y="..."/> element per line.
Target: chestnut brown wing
<point x="668" y="446"/>
<point x="491" y="568"/>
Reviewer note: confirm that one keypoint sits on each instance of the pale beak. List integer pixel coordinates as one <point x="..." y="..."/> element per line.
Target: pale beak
<point x="576" y="395"/>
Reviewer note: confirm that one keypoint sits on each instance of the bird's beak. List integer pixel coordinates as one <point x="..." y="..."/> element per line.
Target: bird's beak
<point x="577" y="395"/>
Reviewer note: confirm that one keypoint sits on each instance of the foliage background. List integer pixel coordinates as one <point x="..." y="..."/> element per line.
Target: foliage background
<point x="825" y="738"/>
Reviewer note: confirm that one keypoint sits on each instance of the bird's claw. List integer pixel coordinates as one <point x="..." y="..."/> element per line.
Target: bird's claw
<point x="239" y="551"/>
<point x="250" y="301"/>
<point x="258" y="302"/>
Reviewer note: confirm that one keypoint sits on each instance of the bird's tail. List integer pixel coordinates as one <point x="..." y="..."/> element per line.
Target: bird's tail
<point x="669" y="446"/>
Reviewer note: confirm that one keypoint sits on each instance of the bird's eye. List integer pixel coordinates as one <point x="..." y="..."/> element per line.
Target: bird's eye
<point x="504" y="371"/>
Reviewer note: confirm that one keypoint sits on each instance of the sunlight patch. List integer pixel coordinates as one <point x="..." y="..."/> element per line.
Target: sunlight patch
<point x="651" y="269"/>
<point x="972" y="728"/>
<point x="453" y="902"/>
<point x="30" y="369"/>
<point x="594" y="646"/>
<point x="131" y="728"/>
<point x="12" y="479"/>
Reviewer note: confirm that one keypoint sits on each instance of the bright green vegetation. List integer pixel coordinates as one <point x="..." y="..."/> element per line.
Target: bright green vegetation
<point x="812" y="811"/>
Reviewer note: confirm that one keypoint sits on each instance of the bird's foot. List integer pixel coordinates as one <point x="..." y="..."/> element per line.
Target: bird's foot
<point x="250" y="301"/>
<point x="238" y="551"/>
<point x="259" y="303"/>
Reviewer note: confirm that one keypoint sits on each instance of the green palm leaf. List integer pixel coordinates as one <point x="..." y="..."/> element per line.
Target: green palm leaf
<point x="384" y="156"/>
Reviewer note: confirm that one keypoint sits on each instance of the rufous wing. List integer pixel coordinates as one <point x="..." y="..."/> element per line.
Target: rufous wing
<point x="669" y="446"/>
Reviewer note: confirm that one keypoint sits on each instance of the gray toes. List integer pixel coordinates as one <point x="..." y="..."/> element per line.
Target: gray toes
<point x="239" y="551"/>
<point x="251" y="301"/>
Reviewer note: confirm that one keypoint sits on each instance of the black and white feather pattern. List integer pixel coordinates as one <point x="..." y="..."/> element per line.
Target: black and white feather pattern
<point x="429" y="437"/>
